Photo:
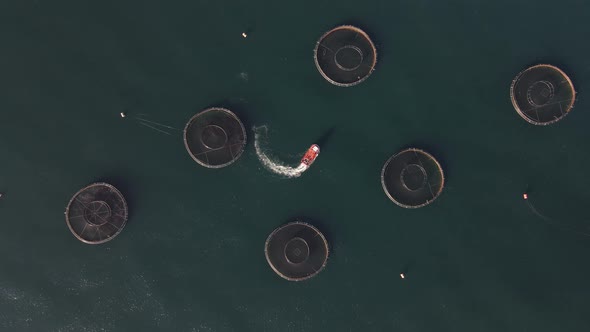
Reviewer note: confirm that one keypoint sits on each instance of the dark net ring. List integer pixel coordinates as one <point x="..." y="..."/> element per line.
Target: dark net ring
<point x="542" y="94"/>
<point x="296" y="251"/>
<point x="97" y="213"/>
<point x="345" y="56"/>
<point x="215" y="137"/>
<point x="412" y="178"/>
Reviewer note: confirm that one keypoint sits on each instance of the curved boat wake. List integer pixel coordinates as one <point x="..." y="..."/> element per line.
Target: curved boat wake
<point x="274" y="166"/>
<point x="553" y="222"/>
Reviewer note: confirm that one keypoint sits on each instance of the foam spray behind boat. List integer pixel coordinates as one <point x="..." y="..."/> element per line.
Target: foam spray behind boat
<point x="279" y="167"/>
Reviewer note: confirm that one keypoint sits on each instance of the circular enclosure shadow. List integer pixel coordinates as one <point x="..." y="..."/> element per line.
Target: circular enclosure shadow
<point x="296" y="251"/>
<point x="215" y="137"/>
<point x="345" y="56"/>
<point x="412" y="178"/>
<point x="542" y="94"/>
<point x="97" y="213"/>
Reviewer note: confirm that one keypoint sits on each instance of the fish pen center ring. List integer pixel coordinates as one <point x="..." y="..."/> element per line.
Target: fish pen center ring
<point x="97" y="213"/>
<point x="350" y="52"/>
<point x="296" y="251"/>
<point x="540" y="93"/>
<point x="214" y="137"/>
<point x="413" y="177"/>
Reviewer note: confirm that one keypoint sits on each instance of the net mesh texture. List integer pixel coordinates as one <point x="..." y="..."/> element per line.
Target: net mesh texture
<point x="412" y="178"/>
<point x="542" y="94"/>
<point x="215" y="137"/>
<point x="345" y="56"/>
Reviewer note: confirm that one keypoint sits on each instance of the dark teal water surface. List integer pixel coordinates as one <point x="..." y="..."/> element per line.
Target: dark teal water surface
<point x="191" y="256"/>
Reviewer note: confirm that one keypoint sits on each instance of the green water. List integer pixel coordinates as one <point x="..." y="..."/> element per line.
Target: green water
<point x="191" y="256"/>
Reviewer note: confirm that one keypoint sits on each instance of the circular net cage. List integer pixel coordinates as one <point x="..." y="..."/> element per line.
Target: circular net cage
<point x="412" y="178"/>
<point x="215" y="137"/>
<point x="296" y="251"/>
<point x="97" y="213"/>
<point x="345" y="56"/>
<point x="542" y="94"/>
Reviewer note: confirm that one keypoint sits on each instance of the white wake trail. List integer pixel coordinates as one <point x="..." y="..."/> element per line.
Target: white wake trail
<point x="272" y="165"/>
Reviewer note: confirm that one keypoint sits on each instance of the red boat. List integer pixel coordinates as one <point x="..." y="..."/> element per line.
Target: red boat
<point x="311" y="154"/>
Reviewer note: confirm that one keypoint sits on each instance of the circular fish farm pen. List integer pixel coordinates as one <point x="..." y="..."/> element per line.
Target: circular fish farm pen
<point x="345" y="56"/>
<point x="412" y="178"/>
<point x="296" y="251"/>
<point x="215" y="137"/>
<point x="542" y="94"/>
<point x="97" y="213"/>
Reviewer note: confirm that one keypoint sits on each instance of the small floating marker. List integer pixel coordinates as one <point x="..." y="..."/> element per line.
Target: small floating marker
<point x="1" y="194"/>
<point x="525" y="196"/>
<point x="244" y="35"/>
<point x="401" y="275"/>
<point x="123" y="114"/>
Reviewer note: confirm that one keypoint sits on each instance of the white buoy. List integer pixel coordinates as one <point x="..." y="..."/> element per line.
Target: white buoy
<point x="402" y="276"/>
<point x="122" y="114"/>
<point x="525" y="196"/>
<point x="244" y="35"/>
